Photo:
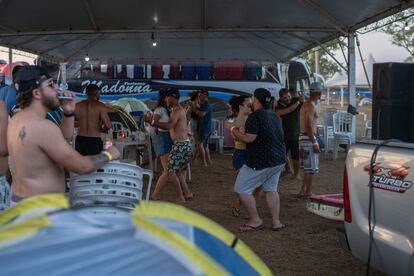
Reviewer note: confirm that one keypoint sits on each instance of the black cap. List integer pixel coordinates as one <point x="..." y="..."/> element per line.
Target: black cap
<point x="172" y="92"/>
<point x="29" y="77"/>
<point x="264" y="96"/>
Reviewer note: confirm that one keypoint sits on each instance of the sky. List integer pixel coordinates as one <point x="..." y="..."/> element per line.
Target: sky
<point x="380" y="46"/>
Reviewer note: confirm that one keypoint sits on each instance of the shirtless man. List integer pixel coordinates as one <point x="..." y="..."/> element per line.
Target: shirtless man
<point x="180" y="153"/>
<point x="37" y="148"/>
<point x="92" y="119"/>
<point x="308" y="144"/>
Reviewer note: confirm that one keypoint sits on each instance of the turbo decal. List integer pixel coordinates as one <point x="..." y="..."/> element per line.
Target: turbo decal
<point x="390" y="179"/>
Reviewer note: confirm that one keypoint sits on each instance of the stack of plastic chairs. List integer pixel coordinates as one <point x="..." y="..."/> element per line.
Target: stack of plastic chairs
<point x="116" y="187"/>
<point x="218" y="134"/>
<point x="343" y="123"/>
<point x="328" y="128"/>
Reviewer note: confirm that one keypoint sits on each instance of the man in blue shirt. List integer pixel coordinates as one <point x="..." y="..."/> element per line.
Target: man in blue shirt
<point x="2" y="80"/>
<point x="204" y="126"/>
<point x="8" y="93"/>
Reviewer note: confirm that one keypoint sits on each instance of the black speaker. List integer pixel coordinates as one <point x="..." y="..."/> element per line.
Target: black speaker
<point x="393" y="99"/>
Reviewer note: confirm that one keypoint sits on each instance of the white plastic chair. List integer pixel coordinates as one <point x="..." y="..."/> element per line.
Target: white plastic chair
<point x="343" y="124"/>
<point x="218" y="134"/>
<point x="328" y="128"/>
<point x="367" y="129"/>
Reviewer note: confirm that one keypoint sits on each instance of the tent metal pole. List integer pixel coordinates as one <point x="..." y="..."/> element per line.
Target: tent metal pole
<point x="90" y="15"/>
<point x="363" y="63"/>
<point x="324" y="14"/>
<point x="12" y="33"/>
<point x="322" y="47"/>
<point x="64" y="43"/>
<point x="87" y="46"/>
<point x="327" y="95"/>
<point x="10" y="62"/>
<point x="351" y="69"/>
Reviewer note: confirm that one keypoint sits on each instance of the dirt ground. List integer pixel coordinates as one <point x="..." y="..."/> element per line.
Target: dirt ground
<point x="308" y="246"/>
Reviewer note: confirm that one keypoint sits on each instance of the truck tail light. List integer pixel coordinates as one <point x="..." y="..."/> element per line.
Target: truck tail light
<point x="347" y="203"/>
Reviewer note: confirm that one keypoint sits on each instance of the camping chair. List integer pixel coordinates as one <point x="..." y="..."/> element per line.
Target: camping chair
<point x="328" y="128"/>
<point x="218" y="134"/>
<point x="343" y="124"/>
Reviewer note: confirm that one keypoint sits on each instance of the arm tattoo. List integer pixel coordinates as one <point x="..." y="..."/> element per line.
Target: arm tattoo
<point x="98" y="160"/>
<point x="22" y="134"/>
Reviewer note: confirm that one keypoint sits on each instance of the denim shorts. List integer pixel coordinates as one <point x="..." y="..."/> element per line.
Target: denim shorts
<point x="249" y="179"/>
<point x="239" y="157"/>
<point x="163" y="143"/>
<point x="204" y="139"/>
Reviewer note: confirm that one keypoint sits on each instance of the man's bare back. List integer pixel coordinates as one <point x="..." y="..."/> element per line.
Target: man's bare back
<point x="179" y="132"/>
<point x="26" y="137"/>
<point x="308" y="115"/>
<point x="91" y="115"/>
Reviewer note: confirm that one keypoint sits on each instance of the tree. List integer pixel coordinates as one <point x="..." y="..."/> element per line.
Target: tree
<point x="401" y="28"/>
<point x="402" y="31"/>
<point x="327" y="66"/>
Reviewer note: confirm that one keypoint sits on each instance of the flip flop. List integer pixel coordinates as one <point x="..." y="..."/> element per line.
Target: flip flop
<point x="249" y="228"/>
<point x="235" y="212"/>
<point x="278" y="228"/>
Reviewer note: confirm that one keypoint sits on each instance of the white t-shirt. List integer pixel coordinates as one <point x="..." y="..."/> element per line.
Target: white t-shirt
<point x="164" y="118"/>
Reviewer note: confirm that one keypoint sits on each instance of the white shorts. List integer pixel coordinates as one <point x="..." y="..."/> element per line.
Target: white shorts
<point x="309" y="160"/>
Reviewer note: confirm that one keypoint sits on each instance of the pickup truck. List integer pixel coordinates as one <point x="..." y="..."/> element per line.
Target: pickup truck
<point x="392" y="206"/>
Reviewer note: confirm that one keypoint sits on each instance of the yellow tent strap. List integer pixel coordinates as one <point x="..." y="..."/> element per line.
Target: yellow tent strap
<point x="126" y="116"/>
<point x="21" y="229"/>
<point x="207" y="265"/>
<point x="175" y="212"/>
<point x="130" y="119"/>
<point x="40" y="201"/>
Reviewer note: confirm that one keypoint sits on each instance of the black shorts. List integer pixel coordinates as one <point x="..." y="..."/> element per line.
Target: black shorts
<point x="88" y="145"/>
<point x="293" y="147"/>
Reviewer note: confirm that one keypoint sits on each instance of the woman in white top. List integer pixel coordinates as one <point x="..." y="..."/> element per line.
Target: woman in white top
<point x="163" y="142"/>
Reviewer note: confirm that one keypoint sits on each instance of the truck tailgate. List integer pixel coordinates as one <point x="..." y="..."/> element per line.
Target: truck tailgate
<point x="393" y="206"/>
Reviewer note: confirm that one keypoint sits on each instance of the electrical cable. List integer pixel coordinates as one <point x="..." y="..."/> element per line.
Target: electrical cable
<point x="371" y="206"/>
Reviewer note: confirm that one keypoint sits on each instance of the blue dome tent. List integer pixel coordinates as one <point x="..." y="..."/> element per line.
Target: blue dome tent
<point x="43" y="235"/>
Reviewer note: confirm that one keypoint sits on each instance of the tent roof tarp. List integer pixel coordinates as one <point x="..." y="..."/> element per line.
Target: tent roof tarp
<point x="185" y="30"/>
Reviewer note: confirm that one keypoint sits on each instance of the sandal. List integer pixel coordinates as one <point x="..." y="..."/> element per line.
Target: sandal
<point x="235" y="212"/>
<point x="250" y="228"/>
<point x="278" y="228"/>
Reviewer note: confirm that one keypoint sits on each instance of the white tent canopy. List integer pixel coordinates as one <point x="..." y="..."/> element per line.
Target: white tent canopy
<point x="341" y="78"/>
<point x="193" y="30"/>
